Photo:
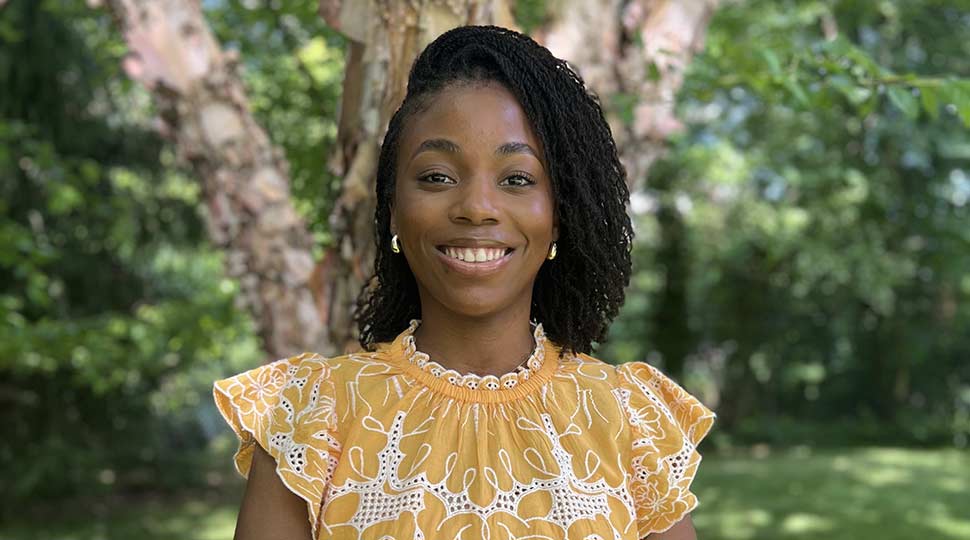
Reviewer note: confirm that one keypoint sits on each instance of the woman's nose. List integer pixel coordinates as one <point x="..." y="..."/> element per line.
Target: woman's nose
<point x="475" y="202"/>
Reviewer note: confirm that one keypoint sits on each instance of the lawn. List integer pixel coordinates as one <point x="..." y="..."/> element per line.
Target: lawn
<point x="858" y="494"/>
<point x="211" y="517"/>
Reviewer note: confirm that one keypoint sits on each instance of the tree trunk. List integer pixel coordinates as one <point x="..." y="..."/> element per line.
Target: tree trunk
<point x="633" y="54"/>
<point x="203" y="108"/>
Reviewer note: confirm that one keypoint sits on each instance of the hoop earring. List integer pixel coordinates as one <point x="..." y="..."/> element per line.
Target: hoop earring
<point x="395" y="247"/>
<point x="552" y="252"/>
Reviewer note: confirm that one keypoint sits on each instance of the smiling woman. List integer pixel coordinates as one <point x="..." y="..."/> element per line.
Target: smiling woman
<point x="476" y="410"/>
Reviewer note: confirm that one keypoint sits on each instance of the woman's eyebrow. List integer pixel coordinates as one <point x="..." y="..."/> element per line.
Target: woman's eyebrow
<point x="442" y="145"/>
<point x="516" y="148"/>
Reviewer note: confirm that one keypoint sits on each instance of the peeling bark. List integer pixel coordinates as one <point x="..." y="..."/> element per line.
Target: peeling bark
<point x="613" y="44"/>
<point x="203" y="109"/>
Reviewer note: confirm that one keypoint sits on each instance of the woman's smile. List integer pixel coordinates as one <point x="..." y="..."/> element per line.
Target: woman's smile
<point x="472" y="254"/>
<point x="475" y="261"/>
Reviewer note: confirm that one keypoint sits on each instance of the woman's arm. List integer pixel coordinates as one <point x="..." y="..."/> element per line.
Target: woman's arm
<point x="269" y="510"/>
<point x="682" y="530"/>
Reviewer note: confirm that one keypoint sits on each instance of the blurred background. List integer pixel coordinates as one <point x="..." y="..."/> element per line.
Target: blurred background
<point x="801" y="177"/>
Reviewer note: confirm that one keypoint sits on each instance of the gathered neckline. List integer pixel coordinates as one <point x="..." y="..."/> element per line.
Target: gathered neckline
<point x="529" y="375"/>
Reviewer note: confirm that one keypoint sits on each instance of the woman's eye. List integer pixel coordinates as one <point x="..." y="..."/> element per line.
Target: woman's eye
<point x="436" y="178"/>
<point x="518" y="180"/>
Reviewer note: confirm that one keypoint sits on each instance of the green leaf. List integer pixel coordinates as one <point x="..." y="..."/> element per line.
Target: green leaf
<point x="847" y="86"/>
<point x="624" y="104"/>
<point x="63" y="199"/>
<point x="842" y="48"/>
<point x="953" y="149"/>
<point x="774" y="65"/>
<point x="957" y="93"/>
<point x="868" y="106"/>
<point x="904" y="100"/>
<point x="653" y="72"/>
<point x="931" y="101"/>
<point x="796" y="89"/>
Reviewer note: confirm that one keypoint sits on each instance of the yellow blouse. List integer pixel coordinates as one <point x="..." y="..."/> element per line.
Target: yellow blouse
<point x="391" y="445"/>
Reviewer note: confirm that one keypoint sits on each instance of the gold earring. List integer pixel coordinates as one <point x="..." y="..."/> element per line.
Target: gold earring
<point x="552" y="252"/>
<point x="395" y="247"/>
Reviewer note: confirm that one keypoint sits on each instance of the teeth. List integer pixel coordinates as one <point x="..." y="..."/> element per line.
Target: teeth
<point x="474" y="254"/>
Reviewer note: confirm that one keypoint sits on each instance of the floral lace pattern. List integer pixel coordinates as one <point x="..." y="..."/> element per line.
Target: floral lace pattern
<point x="472" y="381"/>
<point x="382" y="449"/>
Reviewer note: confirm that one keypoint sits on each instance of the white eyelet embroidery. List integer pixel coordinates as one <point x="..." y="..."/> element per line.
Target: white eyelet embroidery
<point x="469" y="380"/>
<point x="388" y="495"/>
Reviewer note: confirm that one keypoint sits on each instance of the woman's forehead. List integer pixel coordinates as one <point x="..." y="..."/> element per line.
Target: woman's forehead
<point x="469" y="114"/>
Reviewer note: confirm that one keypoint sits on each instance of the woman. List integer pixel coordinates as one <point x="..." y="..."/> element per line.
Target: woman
<point x="475" y="410"/>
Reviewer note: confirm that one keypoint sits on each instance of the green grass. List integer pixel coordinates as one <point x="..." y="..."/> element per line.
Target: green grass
<point x="853" y="494"/>
<point x="857" y="494"/>
<point x="208" y="517"/>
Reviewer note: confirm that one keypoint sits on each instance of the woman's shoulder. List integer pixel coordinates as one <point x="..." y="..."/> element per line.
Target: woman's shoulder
<point x="307" y="364"/>
<point x="635" y="384"/>
<point x="615" y="376"/>
<point x="625" y="375"/>
<point x="666" y="424"/>
<point x="288" y="408"/>
<point x="304" y="383"/>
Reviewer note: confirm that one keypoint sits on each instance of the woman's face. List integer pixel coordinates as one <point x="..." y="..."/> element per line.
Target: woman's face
<point x="473" y="205"/>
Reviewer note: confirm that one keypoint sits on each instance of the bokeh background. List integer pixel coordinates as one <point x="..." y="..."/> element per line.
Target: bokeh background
<point x="802" y="265"/>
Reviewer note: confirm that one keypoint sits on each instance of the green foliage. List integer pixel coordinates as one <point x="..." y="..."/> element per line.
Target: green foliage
<point x="114" y="315"/>
<point x="531" y="14"/>
<point x="823" y="184"/>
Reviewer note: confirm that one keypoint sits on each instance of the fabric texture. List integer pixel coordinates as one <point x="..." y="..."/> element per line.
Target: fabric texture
<point x="391" y="445"/>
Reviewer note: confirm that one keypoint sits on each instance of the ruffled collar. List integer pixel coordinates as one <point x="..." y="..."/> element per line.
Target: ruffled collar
<point x="471" y="381"/>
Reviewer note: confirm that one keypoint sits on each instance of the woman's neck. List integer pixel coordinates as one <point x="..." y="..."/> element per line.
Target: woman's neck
<point x="489" y="345"/>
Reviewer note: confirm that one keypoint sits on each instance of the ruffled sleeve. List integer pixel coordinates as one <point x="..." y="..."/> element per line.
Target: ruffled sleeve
<point x="287" y="408"/>
<point x="667" y="424"/>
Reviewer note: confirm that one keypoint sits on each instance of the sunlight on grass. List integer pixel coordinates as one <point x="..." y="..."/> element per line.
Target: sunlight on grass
<point x="741" y="525"/>
<point x="152" y="520"/>
<point x="883" y="477"/>
<point x="894" y="494"/>
<point x="805" y="523"/>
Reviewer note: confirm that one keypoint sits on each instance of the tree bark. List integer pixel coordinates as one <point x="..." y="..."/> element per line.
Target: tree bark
<point x="633" y="52"/>
<point x="203" y="109"/>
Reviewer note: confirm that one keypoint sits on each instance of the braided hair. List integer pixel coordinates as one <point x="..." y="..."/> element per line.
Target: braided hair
<point x="578" y="294"/>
